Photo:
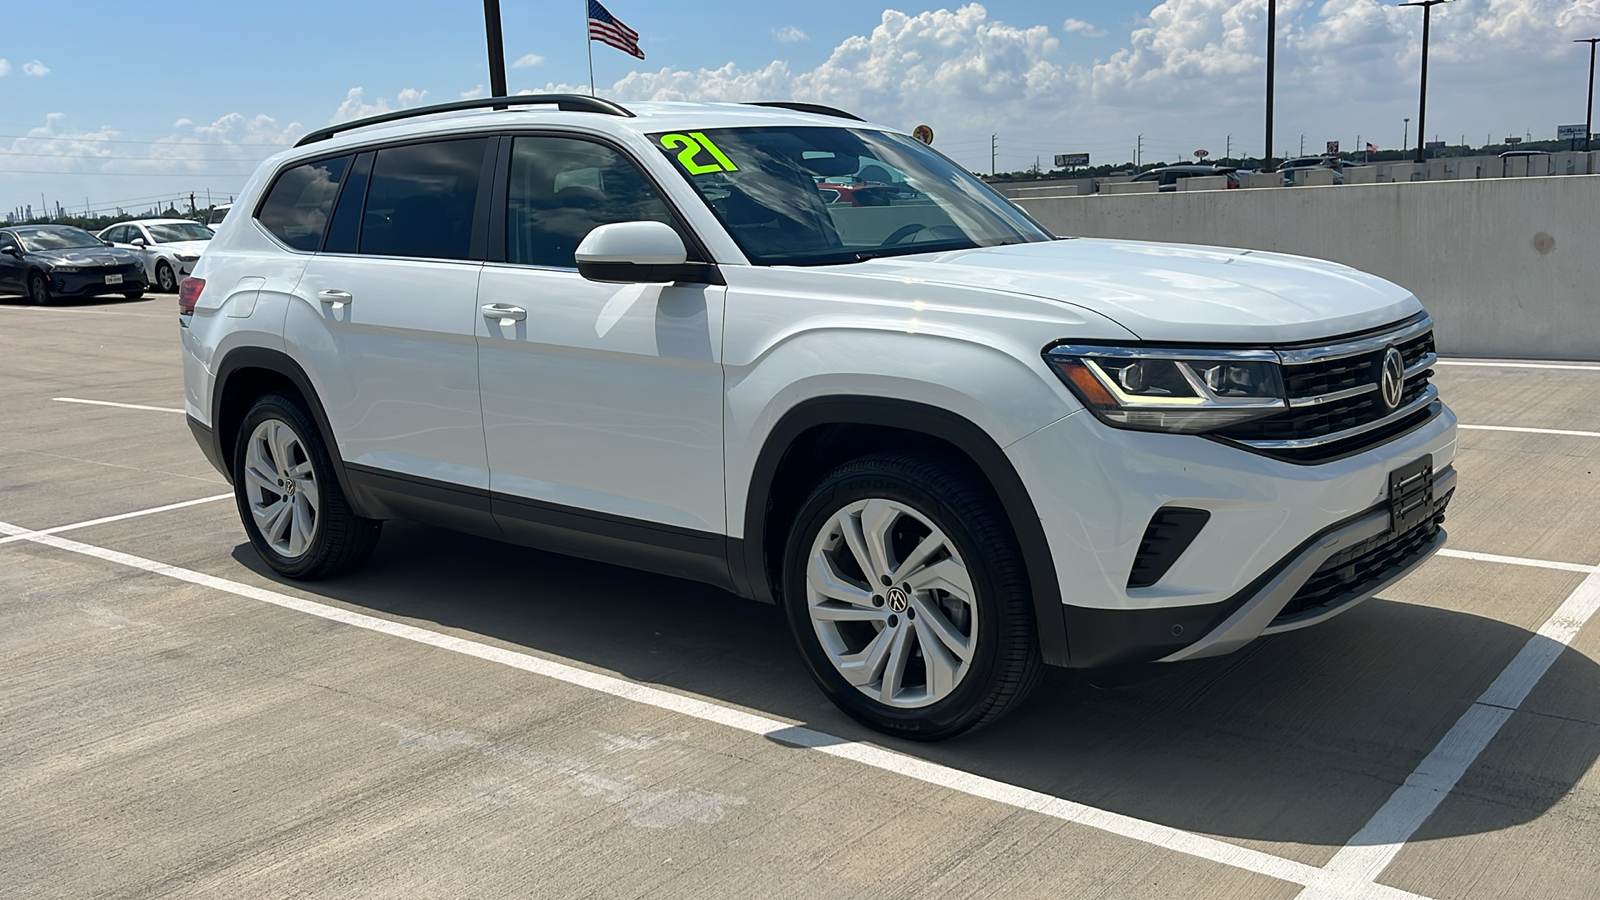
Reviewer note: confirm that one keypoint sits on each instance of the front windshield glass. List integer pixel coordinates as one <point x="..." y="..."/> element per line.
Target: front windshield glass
<point x="180" y="231"/>
<point x="822" y="196"/>
<point x="218" y="214"/>
<point x="41" y="239"/>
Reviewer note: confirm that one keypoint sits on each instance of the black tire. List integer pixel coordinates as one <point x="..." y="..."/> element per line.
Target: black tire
<point x="166" y="279"/>
<point x="134" y="295"/>
<point x="1005" y="665"/>
<point x="39" y="289"/>
<point x="341" y="541"/>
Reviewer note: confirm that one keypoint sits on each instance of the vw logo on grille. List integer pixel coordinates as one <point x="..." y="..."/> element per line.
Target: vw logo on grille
<point x="1392" y="383"/>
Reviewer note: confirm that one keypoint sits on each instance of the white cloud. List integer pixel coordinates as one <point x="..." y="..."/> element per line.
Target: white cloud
<point x="473" y="94"/>
<point x="35" y="69"/>
<point x="1078" y="26"/>
<point x="789" y="34"/>
<point x="5" y="68"/>
<point x="183" y="123"/>
<point x="528" y="61"/>
<point x="356" y="107"/>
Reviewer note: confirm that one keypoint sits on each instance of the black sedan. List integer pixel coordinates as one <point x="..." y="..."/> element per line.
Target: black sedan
<point x="49" y="261"/>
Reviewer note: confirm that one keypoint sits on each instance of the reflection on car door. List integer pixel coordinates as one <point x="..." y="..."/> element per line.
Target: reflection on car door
<point x="11" y="267"/>
<point x="383" y="321"/>
<point x="602" y="403"/>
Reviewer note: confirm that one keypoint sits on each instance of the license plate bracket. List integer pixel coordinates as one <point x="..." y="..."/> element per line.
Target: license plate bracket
<point x="113" y="279"/>
<point x="1411" y="495"/>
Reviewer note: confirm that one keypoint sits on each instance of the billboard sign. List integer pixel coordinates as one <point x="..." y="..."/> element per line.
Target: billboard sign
<point x="1333" y="148"/>
<point x="1071" y="160"/>
<point x="1572" y="132"/>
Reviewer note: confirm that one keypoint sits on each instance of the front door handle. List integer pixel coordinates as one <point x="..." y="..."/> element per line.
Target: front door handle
<point x="335" y="298"/>
<point x="504" y="313"/>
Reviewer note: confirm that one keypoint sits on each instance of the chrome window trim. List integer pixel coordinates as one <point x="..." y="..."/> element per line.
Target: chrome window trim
<point x="1428" y="397"/>
<point x="1357" y="347"/>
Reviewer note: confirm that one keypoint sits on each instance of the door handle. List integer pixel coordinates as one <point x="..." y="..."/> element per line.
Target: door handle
<point x="335" y="298"/>
<point x="505" y="313"/>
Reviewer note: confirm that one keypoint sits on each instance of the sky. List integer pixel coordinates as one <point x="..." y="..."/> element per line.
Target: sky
<point x="126" y="104"/>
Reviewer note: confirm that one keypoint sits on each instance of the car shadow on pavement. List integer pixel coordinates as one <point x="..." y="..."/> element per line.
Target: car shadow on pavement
<point x="76" y="302"/>
<point x="1297" y="739"/>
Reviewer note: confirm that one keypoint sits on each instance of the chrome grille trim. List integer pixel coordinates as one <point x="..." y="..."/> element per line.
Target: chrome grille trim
<point x="1422" y="365"/>
<point x="1428" y="396"/>
<point x="1371" y="344"/>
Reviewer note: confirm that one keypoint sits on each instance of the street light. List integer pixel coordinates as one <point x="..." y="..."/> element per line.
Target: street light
<point x="1406" y="141"/>
<point x="1422" y="114"/>
<point x="1588" y="130"/>
<point x="1272" y="69"/>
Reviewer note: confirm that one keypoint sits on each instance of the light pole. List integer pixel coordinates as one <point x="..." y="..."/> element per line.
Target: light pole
<point x="1406" y="141"/>
<point x="1422" y="112"/>
<point x="1272" y="70"/>
<point x="497" y="48"/>
<point x="1588" y="129"/>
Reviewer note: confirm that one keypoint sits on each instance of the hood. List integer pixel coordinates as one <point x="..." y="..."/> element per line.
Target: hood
<point x="1175" y="292"/>
<point x="89" y="256"/>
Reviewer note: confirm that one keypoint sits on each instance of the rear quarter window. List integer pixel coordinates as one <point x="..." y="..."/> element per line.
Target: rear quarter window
<point x="297" y="208"/>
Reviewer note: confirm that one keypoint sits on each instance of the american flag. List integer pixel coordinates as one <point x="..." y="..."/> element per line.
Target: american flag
<point x="1371" y="147"/>
<point x="608" y="29"/>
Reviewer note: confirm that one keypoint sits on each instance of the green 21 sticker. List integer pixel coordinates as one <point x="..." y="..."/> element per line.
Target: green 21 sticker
<point x="692" y="145"/>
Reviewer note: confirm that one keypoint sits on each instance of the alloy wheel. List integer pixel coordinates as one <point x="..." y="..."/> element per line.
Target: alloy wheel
<point x="166" y="278"/>
<point x="281" y="488"/>
<point x="892" y="603"/>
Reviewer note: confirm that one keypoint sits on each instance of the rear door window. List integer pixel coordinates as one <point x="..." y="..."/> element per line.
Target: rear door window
<point x="297" y="208"/>
<point x="422" y="200"/>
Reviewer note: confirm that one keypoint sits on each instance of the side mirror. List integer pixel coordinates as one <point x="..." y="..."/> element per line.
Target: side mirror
<point x="11" y="251"/>
<point x="638" y="253"/>
<point x="137" y="242"/>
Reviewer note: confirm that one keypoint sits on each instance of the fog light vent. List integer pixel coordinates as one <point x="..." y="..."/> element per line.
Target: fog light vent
<point x="1171" y="531"/>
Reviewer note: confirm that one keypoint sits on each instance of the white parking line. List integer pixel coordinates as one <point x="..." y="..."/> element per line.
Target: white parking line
<point x="1152" y="833"/>
<point x="1520" y="561"/>
<point x="1592" y="434"/>
<point x="118" y="405"/>
<point x="1516" y="365"/>
<point x="1376" y="845"/>
<point x="30" y="535"/>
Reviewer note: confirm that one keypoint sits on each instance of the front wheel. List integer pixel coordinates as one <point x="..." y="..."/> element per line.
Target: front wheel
<point x="166" y="280"/>
<point x="293" y="509"/>
<point x="38" y="289"/>
<point x="906" y="592"/>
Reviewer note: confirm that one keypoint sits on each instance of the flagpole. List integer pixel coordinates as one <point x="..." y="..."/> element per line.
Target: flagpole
<point x="588" y="42"/>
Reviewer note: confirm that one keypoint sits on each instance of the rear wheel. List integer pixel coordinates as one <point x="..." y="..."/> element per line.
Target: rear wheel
<point x="293" y="509"/>
<point x="166" y="279"/>
<point x="38" y="289"/>
<point x="907" y="595"/>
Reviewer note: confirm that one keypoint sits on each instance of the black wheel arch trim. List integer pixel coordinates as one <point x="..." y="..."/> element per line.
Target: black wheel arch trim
<point x="751" y="573"/>
<point x="280" y="363"/>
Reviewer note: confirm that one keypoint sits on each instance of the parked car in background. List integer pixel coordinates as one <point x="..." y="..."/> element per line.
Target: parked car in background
<point x="49" y="261"/>
<point x="168" y="247"/>
<point x="218" y="213"/>
<point x="1304" y="163"/>
<point x="1169" y="176"/>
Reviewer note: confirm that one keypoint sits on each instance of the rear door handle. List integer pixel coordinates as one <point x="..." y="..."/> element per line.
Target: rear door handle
<point x="505" y="313"/>
<point x="335" y="298"/>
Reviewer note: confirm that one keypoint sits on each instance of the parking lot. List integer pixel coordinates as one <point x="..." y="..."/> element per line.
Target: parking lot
<point x="469" y="718"/>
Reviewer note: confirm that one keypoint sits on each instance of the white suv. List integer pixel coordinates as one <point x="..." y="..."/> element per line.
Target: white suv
<point x="954" y="447"/>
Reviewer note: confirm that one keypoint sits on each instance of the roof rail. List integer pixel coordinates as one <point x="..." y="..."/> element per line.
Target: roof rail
<point x="813" y="108"/>
<point x="563" y="102"/>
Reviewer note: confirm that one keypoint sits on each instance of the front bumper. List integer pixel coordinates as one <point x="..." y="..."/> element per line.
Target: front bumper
<point x="92" y="282"/>
<point x="1272" y="526"/>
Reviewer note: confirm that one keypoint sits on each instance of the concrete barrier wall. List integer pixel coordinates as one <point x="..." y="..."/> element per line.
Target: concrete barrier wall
<point x="1508" y="267"/>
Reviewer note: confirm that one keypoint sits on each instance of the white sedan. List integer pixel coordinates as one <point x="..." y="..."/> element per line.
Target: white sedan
<point x="169" y="247"/>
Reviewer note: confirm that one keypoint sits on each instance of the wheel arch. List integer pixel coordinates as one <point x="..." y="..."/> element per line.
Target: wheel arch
<point x="820" y="433"/>
<point x="248" y="373"/>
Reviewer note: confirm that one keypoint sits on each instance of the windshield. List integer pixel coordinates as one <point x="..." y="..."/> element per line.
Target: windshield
<point x="220" y="213"/>
<point x="41" y="239"/>
<point x="180" y="231"/>
<point x="822" y="196"/>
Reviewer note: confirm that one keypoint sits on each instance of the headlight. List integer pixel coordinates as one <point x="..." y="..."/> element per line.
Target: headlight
<point x="184" y="257"/>
<point x="1172" y="390"/>
<point x="64" y="268"/>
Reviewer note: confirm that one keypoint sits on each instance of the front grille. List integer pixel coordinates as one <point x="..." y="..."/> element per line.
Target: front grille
<point x="1315" y="429"/>
<point x="1366" y="563"/>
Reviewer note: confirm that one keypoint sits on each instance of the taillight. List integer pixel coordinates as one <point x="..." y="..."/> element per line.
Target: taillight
<point x="189" y="295"/>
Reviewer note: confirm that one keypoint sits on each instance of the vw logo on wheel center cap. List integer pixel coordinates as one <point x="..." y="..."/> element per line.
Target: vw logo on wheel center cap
<point x="1392" y="381"/>
<point x="898" y="600"/>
